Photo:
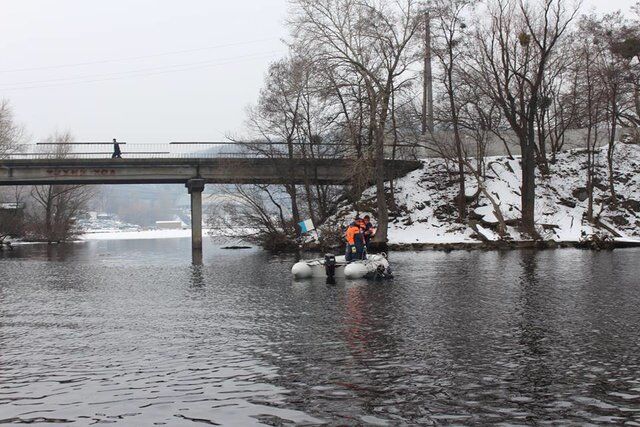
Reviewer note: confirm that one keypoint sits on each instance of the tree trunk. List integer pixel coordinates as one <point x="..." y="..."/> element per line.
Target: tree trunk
<point x="462" y="202"/>
<point x="394" y="125"/>
<point x="502" y="226"/>
<point x="461" y="199"/>
<point x="590" y="159"/>
<point x="383" y="212"/>
<point x="592" y="133"/>
<point x="310" y="198"/>
<point x="295" y="211"/>
<point x="48" y="213"/>
<point x="528" y="196"/>
<point x="542" y="142"/>
<point x="381" y="235"/>
<point x="612" y="140"/>
<point x="636" y="98"/>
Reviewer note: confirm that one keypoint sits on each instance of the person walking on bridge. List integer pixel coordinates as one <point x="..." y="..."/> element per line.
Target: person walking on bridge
<point x="117" y="154"/>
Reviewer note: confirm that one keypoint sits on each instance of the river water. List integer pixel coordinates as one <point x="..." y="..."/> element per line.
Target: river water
<point x="130" y="332"/>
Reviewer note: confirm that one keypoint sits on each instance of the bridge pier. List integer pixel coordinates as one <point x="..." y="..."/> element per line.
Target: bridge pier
<point x="195" y="187"/>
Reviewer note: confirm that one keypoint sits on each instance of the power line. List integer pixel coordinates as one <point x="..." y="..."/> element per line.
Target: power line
<point x="134" y="75"/>
<point x="133" y="58"/>
<point x="141" y="70"/>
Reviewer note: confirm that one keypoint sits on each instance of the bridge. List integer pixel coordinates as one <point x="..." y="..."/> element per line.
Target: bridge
<point x="67" y="164"/>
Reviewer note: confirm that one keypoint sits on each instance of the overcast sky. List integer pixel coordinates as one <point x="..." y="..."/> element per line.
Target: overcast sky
<point x="142" y="70"/>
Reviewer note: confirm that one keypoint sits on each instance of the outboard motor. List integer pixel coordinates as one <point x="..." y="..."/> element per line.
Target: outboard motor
<point x="383" y="273"/>
<point x="330" y="268"/>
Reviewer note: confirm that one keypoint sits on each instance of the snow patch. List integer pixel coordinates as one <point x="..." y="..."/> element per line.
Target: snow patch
<point x="427" y="209"/>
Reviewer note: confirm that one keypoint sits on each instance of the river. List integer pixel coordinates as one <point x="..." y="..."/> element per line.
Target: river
<point x="130" y="332"/>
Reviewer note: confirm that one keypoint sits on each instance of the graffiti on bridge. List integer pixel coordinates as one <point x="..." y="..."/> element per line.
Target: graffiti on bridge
<point x="80" y="172"/>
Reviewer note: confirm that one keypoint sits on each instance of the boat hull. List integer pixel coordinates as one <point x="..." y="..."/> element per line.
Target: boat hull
<point x="355" y="270"/>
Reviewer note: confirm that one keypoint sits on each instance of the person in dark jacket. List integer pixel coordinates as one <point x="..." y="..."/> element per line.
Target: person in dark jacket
<point x="117" y="154"/>
<point x="360" y="242"/>
<point x="369" y="230"/>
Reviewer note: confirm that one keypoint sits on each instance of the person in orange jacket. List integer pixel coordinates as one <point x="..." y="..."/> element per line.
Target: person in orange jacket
<point x="355" y="241"/>
<point x="352" y="235"/>
<point x="361" y="239"/>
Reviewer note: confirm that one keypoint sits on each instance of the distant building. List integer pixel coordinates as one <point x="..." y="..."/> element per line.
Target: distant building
<point x="11" y="217"/>
<point x="169" y="225"/>
<point x="12" y="207"/>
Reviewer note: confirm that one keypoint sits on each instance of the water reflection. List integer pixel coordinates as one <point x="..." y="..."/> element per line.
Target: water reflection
<point x="197" y="277"/>
<point x="535" y="327"/>
<point x="137" y="332"/>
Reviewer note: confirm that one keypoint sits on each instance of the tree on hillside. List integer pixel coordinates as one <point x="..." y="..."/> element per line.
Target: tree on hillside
<point x="371" y="40"/>
<point x="591" y="99"/>
<point x="557" y="107"/>
<point x="615" y="57"/>
<point x="449" y="38"/>
<point x="515" y="47"/>
<point x="627" y="46"/>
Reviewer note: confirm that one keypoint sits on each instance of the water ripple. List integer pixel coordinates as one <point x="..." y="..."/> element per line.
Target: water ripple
<point x="131" y="333"/>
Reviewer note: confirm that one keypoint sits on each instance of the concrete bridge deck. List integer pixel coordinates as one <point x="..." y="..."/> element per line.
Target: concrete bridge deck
<point x="180" y="171"/>
<point x="194" y="173"/>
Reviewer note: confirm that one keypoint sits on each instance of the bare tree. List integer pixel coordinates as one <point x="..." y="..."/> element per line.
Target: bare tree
<point x="12" y="218"/>
<point x="292" y="120"/>
<point x="558" y="107"/>
<point x="256" y="213"/>
<point x="449" y="38"/>
<point x="10" y="135"/>
<point x="10" y="132"/>
<point x="611" y="78"/>
<point x="55" y="207"/>
<point x="515" y="48"/>
<point x="591" y="96"/>
<point x="370" y="39"/>
<point x="616" y="48"/>
<point x="277" y="117"/>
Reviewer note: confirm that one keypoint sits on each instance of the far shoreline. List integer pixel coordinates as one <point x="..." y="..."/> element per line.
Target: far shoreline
<point x="502" y="245"/>
<point x="498" y="245"/>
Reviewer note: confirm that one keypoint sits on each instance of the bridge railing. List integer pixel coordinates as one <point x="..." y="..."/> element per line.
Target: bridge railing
<point x="190" y="150"/>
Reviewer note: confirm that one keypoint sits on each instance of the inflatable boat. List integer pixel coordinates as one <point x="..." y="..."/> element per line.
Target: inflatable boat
<point x="331" y="266"/>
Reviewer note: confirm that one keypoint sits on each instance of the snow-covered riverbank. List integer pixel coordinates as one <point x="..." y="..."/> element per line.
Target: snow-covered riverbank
<point x="426" y="211"/>
<point x="119" y="235"/>
<point x="102" y="235"/>
<point x="131" y="235"/>
<point x="218" y="235"/>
